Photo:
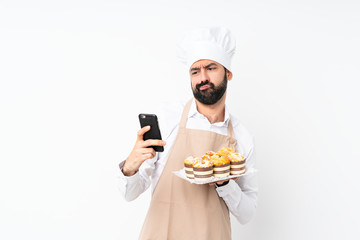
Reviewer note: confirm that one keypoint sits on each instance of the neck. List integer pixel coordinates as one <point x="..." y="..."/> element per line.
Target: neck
<point x="214" y="113"/>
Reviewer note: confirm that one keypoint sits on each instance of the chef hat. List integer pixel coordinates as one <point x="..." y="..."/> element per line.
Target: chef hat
<point x="213" y="43"/>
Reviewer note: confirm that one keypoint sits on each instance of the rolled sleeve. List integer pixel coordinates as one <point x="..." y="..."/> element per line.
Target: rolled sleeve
<point x="228" y="189"/>
<point x="132" y="186"/>
<point x="127" y="179"/>
<point x="128" y="184"/>
<point x="241" y="202"/>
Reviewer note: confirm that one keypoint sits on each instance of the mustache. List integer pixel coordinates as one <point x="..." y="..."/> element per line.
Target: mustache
<point x="199" y="85"/>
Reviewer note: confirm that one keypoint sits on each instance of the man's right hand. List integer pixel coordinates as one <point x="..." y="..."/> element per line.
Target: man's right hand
<point x="140" y="152"/>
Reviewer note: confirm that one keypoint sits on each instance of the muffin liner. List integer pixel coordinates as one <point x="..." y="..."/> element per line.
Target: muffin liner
<point x="181" y="174"/>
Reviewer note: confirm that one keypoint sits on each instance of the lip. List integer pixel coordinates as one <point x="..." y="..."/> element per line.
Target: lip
<point x="204" y="87"/>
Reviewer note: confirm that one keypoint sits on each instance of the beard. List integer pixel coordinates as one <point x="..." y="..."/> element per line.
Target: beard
<point x="212" y="94"/>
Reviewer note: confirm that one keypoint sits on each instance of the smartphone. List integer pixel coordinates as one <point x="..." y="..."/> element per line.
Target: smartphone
<point x="154" y="132"/>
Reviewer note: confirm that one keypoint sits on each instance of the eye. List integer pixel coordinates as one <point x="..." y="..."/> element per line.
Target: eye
<point x="194" y="73"/>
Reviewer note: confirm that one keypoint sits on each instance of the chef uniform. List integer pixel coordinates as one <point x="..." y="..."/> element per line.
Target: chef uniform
<point x="180" y="210"/>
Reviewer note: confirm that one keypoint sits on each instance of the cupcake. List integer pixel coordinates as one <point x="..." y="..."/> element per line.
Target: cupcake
<point x="203" y="170"/>
<point x="221" y="166"/>
<point x="237" y="164"/>
<point x="225" y="151"/>
<point x="189" y="164"/>
<point x="208" y="155"/>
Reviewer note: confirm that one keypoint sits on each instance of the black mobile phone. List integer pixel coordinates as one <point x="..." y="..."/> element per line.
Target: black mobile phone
<point x="154" y="132"/>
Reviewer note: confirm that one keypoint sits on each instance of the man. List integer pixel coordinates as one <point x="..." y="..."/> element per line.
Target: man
<point x="178" y="209"/>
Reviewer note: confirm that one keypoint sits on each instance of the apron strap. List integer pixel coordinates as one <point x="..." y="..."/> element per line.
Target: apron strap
<point x="185" y="114"/>
<point x="230" y="129"/>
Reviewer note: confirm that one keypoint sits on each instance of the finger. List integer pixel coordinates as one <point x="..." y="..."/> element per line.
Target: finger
<point x="211" y="184"/>
<point x="140" y="133"/>
<point x="146" y="156"/>
<point x="148" y="150"/>
<point x="220" y="182"/>
<point x="153" y="142"/>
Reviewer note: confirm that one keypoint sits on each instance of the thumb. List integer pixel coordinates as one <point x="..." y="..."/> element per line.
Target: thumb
<point x="141" y="132"/>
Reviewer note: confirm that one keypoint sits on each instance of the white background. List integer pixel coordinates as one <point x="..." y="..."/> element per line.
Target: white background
<point x="75" y="74"/>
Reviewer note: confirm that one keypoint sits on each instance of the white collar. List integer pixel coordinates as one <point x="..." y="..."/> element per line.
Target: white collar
<point x="193" y="113"/>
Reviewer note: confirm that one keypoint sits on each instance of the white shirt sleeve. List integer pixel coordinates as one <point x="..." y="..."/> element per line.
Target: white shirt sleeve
<point x="132" y="186"/>
<point x="241" y="196"/>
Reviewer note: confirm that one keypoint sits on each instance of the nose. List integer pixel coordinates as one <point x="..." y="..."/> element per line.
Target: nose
<point x="204" y="77"/>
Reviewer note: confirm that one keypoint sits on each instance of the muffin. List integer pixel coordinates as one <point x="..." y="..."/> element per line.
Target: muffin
<point x="189" y="164"/>
<point x="221" y="166"/>
<point x="237" y="164"/>
<point x="203" y="170"/>
<point x="225" y="151"/>
<point x="208" y="155"/>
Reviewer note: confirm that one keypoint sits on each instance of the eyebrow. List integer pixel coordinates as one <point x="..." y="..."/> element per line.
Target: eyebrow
<point x="207" y="66"/>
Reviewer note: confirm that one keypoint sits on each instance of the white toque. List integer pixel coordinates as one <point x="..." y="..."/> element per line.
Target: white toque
<point x="213" y="43"/>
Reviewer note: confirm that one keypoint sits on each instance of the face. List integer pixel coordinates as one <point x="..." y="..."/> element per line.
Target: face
<point x="208" y="81"/>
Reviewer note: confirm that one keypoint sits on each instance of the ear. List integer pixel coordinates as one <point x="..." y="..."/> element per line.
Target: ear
<point x="229" y="75"/>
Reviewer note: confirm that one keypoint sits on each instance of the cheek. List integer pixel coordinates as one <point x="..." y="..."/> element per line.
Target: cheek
<point x="194" y="81"/>
<point x="218" y="77"/>
<point x="193" y="85"/>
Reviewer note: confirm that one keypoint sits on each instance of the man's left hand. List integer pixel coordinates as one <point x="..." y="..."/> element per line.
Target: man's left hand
<point x="222" y="182"/>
